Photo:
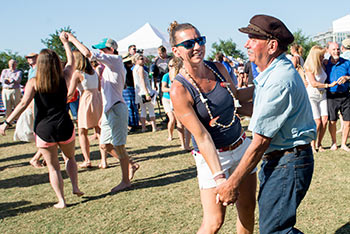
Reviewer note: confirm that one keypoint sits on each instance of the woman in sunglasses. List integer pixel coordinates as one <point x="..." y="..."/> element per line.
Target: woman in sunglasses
<point x="203" y="97"/>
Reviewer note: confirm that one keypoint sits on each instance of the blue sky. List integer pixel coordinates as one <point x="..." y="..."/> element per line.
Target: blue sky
<point x="24" y="23"/>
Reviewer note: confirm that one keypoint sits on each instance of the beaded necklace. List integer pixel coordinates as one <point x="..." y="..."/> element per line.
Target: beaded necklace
<point x="213" y="121"/>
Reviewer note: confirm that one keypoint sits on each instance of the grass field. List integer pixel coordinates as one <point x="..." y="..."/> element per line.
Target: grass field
<point x="164" y="197"/>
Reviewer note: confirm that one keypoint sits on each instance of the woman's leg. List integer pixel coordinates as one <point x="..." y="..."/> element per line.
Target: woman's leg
<point x="103" y="164"/>
<point x="183" y="135"/>
<point x="71" y="166"/>
<point x="35" y="160"/>
<point x="246" y="205"/>
<point x="318" y="130"/>
<point x="213" y="214"/>
<point x="323" y="127"/>
<point x="152" y="116"/>
<point x="143" y="115"/>
<point x="85" y="147"/>
<point x="51" y="157"/>
<point x="171" y="125"/>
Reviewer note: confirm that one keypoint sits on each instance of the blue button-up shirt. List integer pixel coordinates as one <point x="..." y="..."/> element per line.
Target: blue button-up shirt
<point x="335" y="71"/>
<point x="282" y="110"/>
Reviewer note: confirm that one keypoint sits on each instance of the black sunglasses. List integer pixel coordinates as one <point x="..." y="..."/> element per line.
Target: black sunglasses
<point x="189" y="44"/>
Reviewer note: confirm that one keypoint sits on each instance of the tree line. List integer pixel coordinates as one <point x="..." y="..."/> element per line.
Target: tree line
<point x="227" y="47"/>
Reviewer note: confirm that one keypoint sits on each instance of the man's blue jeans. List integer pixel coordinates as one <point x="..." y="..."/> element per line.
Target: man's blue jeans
<point x="283" y="184"/>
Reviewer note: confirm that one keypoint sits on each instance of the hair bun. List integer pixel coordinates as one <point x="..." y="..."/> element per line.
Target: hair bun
<point x="172" y="26"/>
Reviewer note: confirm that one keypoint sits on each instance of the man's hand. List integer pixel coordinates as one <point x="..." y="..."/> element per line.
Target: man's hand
<point x="343" y="79"/>
<point x="226" y="193"/>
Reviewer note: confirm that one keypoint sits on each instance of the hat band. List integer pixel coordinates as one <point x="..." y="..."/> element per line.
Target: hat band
<point x="261" y="31"/>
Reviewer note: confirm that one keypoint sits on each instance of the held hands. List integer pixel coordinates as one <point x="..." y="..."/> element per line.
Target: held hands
<point x="226" y="193"/>
<point x="334" y="83"/>
<point x="342" y="80"/>
<point x="64" y="37"/>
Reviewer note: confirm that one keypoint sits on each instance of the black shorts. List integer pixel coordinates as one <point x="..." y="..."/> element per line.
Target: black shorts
<point x="338" y="102"/>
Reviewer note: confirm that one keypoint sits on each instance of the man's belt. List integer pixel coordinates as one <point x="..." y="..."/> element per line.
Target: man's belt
<point x="279" y="153"/>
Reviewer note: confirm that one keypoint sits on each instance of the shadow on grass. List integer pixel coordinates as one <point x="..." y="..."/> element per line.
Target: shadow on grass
<point x="165" y="178"/>
<point x="154" y="181"/>
<point x="22" y="164"/>
<point x="26" y="180"/>
<point x="345" y="229"/>
<point x="12" y="143"/>
<point x="8" y="209"/>
<point x="17" y="157"/>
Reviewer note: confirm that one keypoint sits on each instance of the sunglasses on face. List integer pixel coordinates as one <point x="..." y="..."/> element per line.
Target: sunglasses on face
<point x="189" y="44"/>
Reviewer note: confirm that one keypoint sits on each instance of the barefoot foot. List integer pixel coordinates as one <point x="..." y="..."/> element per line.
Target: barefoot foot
<point x="120" y="187"/>
<point x="132" y="169"/>
<point x="334" y="147"/>
<point x="60" y="205"/>
<point x="78" y="193"/>
<point x="103" y="165"/>
<point x="36" y="164"/>
<point x="85" y="165"/>
<point x="344" y="147"/>
<point x="321" y="149"/>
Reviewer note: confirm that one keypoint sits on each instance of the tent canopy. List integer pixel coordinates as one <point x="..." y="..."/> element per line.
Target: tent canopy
<point x="147" y="38"/>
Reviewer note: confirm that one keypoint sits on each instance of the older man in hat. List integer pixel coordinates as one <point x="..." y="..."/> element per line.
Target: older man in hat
<point x="114" y="121"/>
<point x="31" y="59"/>
<point x="11" y="93"/>
<point x="282" y="127"/>
<point x="345" y="49"/>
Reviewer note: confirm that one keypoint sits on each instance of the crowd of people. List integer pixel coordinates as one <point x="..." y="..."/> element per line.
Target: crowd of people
<point x="289" y="102"/>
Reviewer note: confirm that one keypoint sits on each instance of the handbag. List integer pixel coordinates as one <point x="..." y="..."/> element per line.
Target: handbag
<point x="144" y="99"/>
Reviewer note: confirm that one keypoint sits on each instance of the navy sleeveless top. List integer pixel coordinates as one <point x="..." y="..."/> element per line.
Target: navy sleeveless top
<point x="221" y="104"/>
<point x="52" y="122"/>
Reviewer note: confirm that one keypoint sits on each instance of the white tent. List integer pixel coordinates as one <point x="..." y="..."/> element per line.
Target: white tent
<point x="147" y="38"/>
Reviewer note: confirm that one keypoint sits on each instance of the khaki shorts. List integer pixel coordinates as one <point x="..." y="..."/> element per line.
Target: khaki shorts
<point x="114" y="125"/>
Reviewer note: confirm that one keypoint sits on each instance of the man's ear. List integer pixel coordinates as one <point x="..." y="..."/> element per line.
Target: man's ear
<point x="273" y="46"/>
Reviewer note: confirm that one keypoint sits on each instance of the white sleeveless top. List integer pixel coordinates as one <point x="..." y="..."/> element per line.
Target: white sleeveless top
<point x="317" y="92"/>
<point x="89" y="82"/>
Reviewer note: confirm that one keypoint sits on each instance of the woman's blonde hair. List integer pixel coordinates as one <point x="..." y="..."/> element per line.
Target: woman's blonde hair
<point x="49" y="72"/>
<point x="136" y="57"/>
<point x="177" y="64"/>
<point x="313" y="61"/>
<point x="82" y="63"/>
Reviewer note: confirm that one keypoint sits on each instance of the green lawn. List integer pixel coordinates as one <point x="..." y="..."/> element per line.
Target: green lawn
<point x="164" y="197"/>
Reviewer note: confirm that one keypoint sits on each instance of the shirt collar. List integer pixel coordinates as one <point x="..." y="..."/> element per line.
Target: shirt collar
<point x="263" y="76"/>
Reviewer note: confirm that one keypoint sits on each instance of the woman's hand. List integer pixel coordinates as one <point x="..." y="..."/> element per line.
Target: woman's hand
<point x="148" y="97"/>
<point x="3" y="128"/>
<point x="333" y="84"/>
<point x="64" y="37"/>
<point x="70" y="36"/>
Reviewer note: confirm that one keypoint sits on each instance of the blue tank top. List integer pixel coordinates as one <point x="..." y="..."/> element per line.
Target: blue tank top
<point x="221" y="104"/>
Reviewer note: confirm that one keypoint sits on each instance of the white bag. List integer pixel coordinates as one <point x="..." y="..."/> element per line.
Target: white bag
<point x="24" y="127"/>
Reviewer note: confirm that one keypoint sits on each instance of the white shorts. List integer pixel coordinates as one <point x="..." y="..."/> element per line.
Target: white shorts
<point x="168" y="107"/>
<point x="229" y="161"/>
<point x="318" y="103"/>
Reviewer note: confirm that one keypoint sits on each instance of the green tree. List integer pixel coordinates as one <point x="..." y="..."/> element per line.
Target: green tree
<point x="22" y="64"/>
<point x="228" y="48"/>
<point x="304" y="41"/>
<point x="54" y="43"/>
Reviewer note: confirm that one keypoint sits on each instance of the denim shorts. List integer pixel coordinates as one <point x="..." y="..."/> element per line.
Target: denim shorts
<point x="114" y="125"/>
<point x="283" y="184"/>
<point x="229" y="161"/>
